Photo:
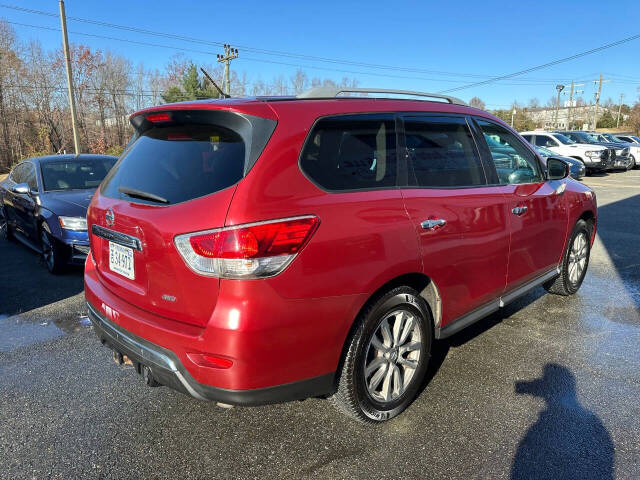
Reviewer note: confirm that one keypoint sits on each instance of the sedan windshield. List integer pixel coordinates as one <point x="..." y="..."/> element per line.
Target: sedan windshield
<point x="75" y="174"/>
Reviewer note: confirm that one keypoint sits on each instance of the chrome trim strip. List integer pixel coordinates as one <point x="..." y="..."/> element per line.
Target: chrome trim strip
<point x="462" y="322"/>
<point x="117" y="237"/>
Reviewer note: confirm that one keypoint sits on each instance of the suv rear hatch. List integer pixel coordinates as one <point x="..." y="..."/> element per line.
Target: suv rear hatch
<point x="178" y="175"/>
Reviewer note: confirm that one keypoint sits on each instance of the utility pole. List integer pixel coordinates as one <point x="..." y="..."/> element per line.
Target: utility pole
<point x="229" y="54"/>
<point x="573" y="90"/>
<point x="559" y="88"/>
<point x="597" y="105"/>
<point x="513" y="114"/>
<point x="72" y="101"/>
<point x="619" y="110"/>
<point x="570" y="105"/>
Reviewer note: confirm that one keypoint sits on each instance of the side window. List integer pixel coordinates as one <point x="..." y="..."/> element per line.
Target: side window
<point x="353" y="152"/>
<point x="528" y="138"/>
<point x="514" y="162"/>
<point x="18" y="175"/>
<point x="30" y="176"/>
<point x="545" y="141"/>
<point x="442" y="152"/>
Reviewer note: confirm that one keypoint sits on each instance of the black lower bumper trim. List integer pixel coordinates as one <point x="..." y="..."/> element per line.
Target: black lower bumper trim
<point x="169" y="371"/>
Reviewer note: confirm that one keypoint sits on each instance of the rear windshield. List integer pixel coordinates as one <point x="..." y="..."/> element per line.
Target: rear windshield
<point x="75" y="174"/>
<point x="178" y="163"/>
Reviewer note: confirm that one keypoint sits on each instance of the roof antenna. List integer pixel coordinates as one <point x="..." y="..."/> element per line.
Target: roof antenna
<point x="222" y="94"/>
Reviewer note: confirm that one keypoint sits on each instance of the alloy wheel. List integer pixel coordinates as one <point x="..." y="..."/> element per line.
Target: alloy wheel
<point x="578" y="258"/>
<point x="393" y="356"/>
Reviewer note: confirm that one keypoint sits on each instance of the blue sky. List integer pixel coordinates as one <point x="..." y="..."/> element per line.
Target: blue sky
<point x="470" y="41"/>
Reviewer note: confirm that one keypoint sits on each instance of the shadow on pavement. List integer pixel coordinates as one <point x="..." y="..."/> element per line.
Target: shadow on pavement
<point x="616" y="229"/>
<point x="26" y="284"/>
<point x="567" y="441"/>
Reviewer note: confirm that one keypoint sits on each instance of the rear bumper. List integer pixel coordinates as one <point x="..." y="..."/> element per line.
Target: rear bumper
<point x="168" y="370"/>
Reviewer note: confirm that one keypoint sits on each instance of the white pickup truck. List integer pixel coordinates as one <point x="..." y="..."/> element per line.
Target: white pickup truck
<point x="594" y="157"/>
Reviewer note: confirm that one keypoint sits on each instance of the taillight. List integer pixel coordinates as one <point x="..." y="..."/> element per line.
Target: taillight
<point x="254" y="250"/>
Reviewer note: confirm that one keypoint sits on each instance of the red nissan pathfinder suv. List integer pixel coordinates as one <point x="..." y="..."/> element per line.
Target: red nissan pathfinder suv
<point x="251" y="251"/>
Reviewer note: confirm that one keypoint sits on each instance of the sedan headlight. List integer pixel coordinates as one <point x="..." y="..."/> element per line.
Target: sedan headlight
<point x="78" y="224"/>
<point x="594" y="153"/>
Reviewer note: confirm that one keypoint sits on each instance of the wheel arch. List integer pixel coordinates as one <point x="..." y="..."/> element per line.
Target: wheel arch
<point x="420" y="282"/>
<point x="590" y="218"/>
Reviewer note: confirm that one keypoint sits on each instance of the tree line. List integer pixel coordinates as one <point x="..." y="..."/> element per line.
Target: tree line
<point x="34" y="102"/>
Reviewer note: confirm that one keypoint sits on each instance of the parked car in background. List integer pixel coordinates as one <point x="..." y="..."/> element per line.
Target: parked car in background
<point x="634" y="148"/>
<point x="43" y="204"/>
<point x="253" y="251"/>
<point x="596" y="158"/>
<point x="577" y="168"/>
<point x="630" y="139"/>
<point x="620" y="156"/>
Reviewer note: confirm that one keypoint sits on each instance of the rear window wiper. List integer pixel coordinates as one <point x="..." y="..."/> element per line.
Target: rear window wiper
<point x="134" y="192"/>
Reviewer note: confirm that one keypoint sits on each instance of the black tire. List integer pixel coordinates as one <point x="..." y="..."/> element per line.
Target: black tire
<point x="567" y="283"/>
<point x="54" y="255"/>
<point x="353" y="396"/>
<point x="634" y="164"/>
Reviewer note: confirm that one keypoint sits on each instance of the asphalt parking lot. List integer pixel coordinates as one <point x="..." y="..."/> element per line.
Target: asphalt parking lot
<point x="546" y="388"/>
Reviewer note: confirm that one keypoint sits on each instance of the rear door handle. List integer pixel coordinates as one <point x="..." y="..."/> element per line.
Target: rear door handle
<point x="519" y="210"/>
<point x="430" y="224"/>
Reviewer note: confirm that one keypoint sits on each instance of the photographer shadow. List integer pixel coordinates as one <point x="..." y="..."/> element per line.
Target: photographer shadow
<point x="567" y="441"/>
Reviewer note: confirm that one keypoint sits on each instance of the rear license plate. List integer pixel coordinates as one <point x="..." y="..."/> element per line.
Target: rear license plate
<point x="121" y="260"/>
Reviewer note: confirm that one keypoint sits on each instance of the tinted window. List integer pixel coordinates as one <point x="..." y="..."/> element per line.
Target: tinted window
<point x="528" y="138"/>
<point x="442" y="152"/>
<point x="514" y="162"/>
<point x="74" y="174"/>
<point x="351" y="153"/>
<point x="30" y="177"/>
<point x="545" y="141"/>
<point x="179" y="163"/>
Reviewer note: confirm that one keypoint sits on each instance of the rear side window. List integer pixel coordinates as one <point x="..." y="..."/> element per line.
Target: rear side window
<point x="354" y="152"/>
<point x="442" y="152"/>
<point x="178" y="163"/>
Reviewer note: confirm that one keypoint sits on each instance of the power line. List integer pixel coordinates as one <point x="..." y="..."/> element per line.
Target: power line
<point x="525" y="82"/>
<point x="544" y="65"/>
<point x="243" y="47"/>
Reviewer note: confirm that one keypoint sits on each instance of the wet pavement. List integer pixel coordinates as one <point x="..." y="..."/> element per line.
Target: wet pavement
<point x="546" y="388"/>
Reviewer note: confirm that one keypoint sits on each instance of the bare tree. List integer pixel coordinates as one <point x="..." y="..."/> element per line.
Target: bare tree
<point x="477" y="103"/>
<point x="299" y="82"/>
<point x="534" y="103"/>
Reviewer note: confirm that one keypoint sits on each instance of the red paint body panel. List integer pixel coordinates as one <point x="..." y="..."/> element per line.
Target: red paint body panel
<point x="293" y="326"/>
<point x="467" y="257"/>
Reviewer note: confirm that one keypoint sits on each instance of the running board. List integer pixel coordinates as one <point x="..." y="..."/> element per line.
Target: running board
<point x="25" y="241"/>
<point x="494" y="305"/>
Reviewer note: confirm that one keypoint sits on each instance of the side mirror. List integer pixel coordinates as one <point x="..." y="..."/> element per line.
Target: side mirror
<point x="557" y="169"/>
<point x="21" y="188"/>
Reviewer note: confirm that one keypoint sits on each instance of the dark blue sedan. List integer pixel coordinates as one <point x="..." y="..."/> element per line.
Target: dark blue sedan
<point x="43" y="204"/>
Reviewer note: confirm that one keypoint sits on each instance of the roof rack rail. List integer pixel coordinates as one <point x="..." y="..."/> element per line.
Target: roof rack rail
<point x="333" y="92"/>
